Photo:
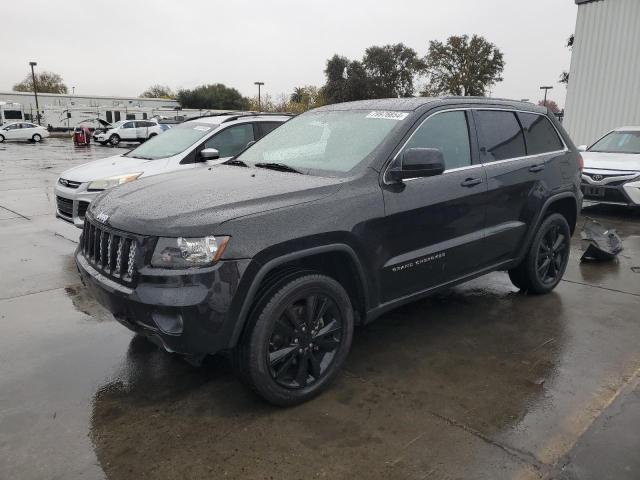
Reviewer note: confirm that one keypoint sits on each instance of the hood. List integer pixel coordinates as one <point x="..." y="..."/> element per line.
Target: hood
<point x="611" y="161"/>
<point x="105" y="167"/>
<point x="195" y="203"/>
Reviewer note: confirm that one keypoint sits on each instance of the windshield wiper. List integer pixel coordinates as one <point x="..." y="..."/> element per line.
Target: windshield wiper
<point x="233" y="161"/>
<point x="281" y="167"/>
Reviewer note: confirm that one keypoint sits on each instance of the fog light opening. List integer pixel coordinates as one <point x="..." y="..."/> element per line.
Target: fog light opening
<point x="169" y="323"/>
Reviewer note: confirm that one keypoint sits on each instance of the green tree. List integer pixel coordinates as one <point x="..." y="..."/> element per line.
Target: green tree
<point x="215" y="96"/>
<point x="462" y="66"/>
<point x="47" y="82"/>
<point x="391" y="70"/>
<point x="334" y="90"/>
<point x="158" y="91"/>
<point x="358" y="85"/>
<point x="299" y="95"/>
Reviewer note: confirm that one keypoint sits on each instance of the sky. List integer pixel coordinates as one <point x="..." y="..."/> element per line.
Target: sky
<point x="121" y="47"/>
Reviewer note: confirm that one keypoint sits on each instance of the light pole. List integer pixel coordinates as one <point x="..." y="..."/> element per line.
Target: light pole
<point x="546" y="89"/>
<point x="35" y="90"/>
<point x="259" y="84"/>
<point x="73" y="90"/>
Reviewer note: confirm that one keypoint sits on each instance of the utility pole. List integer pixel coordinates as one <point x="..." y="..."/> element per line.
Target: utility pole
<point x="546" y="89"/>
<point x="35" y="91"/>
<point x="259" y="84"/>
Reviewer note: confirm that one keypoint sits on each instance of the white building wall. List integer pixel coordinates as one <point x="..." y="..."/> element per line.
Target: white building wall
<point x="67" y="100"/>
<point x="604" y="81"/>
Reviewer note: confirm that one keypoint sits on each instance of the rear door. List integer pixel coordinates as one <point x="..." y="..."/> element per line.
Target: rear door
<point x="433" y="225"/>
<point x="142" y="129"/>
<point x="515" y="180"/>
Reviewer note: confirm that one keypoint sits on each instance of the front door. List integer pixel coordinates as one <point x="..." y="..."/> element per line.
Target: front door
<point x="433" y="225"/>
<point x="128" y="131"/>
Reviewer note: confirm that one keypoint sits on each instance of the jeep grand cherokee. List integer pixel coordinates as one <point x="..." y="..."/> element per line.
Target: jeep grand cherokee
<point x="336" y="217"/>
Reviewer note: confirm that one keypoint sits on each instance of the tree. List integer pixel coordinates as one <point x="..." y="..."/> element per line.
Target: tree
<point x="391" y="70"/>
<point x="299" y="95"/>
<point x="463" y="66"/>
<point x="214" y="96"/>
<point x="47" y="82"/>
<point x="334" y="89"/>
<point x="564" y="76"/>
<point x="550" y="104"/>
<point x="158" y="91"/>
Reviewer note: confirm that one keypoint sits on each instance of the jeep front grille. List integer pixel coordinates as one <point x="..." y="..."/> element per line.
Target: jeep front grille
<point x="112" y="253"/>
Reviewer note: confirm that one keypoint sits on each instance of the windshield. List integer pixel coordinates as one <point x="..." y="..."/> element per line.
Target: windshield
<point x="172" y="142"/>
<point x="118" y="124"/>
<point x="325" y="141"/>
<point x="618" y="142"/>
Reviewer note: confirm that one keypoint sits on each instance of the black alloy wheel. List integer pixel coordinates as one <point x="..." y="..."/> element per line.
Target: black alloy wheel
<point x="304" y="341"/>
<point x="298" y="336"/>
<point x="552" y="254"/>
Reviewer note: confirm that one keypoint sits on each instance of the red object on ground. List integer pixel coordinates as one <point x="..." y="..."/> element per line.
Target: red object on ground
<point x="82" y="136"/>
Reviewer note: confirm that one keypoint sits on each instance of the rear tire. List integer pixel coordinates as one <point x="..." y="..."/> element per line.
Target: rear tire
<point x="547" y="258"/>
<point x="36" y="138"/>
<point x="114" y="140"/>
<point x="297" y="339"/>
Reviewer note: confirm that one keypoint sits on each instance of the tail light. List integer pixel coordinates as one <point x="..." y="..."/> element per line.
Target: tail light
<point x="580" y="162"/>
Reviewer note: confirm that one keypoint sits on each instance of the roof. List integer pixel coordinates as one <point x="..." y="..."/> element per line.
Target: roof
<point x="413" y="103"/>
<point x="628" y="129"/>
<point x="218" y="119"/>
<point x="99" y="97"/>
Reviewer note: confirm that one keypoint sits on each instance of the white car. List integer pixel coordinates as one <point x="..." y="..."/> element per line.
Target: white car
<point x="612" y="168"/>
<point x="197" y="143"/>
<point x="22" y="131"/>
<point x="129" y="131"/>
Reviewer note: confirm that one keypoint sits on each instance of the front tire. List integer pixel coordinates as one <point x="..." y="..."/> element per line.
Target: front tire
<point x="36" y="138"/>
<point x="1" y="138"/>
<point x="114" y="140"/>
<point x="297" y="339"/>
<point x="545" y="263"/>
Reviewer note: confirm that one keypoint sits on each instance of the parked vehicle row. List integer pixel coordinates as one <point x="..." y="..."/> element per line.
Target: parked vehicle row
<point x="335" y="217"/>
<point x="195" y="144"/>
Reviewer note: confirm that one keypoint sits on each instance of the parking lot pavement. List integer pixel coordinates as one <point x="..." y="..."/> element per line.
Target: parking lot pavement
<point x="478" y="382"/>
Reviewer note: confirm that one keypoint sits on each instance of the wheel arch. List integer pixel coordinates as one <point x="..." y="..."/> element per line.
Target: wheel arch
<point x="338" y="261"/>
<point x="564" y="203"/>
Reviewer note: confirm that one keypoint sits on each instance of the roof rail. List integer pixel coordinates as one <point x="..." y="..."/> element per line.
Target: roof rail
<point x="217" y="114"/>
<point x="257" y="114"/>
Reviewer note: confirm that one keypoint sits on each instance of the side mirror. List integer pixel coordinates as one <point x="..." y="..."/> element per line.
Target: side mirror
<point x="209" y="154"/>
<point x="582" y="148"/>
<point x="418" y="162"/>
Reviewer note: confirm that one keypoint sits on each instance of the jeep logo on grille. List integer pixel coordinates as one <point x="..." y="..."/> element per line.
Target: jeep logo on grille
<point x="102" y="217"/>
<point x="597" y="178"/>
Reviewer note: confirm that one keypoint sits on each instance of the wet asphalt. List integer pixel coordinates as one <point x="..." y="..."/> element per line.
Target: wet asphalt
<point x="479" y="382"/>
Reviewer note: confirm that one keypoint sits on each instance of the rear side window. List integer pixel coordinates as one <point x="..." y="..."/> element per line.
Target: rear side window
<point x="266" y="127"/>
<point x="447" y="132"/>
<point x="232" y="140"/>
<point x="539" y="134"/>
<point x="500" y="135"/>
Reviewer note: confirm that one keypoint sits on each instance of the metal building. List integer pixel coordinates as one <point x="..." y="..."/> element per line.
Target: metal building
<point x="604" y="79"/>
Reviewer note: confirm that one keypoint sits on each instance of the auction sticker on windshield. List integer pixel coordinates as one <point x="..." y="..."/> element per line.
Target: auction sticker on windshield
<point x="388" y="115"/>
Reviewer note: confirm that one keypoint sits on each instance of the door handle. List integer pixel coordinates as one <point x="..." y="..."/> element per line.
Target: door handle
<point x="471" y="182"/>
<point x="537" y="168"/>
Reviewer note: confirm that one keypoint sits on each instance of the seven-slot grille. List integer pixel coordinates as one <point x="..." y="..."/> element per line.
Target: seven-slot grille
<point x="112" y="253"/>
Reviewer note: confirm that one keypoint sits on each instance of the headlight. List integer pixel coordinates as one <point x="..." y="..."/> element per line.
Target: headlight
<point x="188" y="252"/>
<point x="109" y="182"/>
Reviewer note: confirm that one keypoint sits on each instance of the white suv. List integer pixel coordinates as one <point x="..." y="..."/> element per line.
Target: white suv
<point x="129" y="131"/>
<point x="197" y="143"/>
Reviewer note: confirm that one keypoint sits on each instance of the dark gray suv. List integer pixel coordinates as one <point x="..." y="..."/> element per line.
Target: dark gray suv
<point x="336" y="217"/>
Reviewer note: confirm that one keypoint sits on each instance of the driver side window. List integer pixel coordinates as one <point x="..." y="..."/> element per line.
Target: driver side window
<point x="448" y="132"/>
<point x="232" y="140"/>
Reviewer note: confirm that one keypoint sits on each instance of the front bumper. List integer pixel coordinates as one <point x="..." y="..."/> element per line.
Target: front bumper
<point x="72" y="203"/>
<point x="613" y="192"/>
<point x="185" y="311"/>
